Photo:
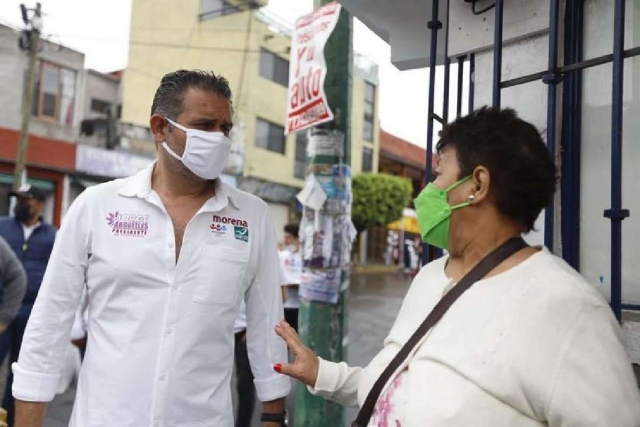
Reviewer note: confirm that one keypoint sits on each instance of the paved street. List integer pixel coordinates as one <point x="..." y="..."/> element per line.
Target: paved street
<point x="373" y="305"/>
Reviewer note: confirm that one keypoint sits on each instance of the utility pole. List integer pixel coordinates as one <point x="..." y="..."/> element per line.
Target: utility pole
<point x="323" y="326"/>
<point x="31" y="43"/>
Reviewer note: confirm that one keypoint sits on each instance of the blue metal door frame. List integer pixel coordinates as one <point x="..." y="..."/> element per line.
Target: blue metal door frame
<point x="570" y="74"/>
<point x="434" y="25"/>
<point x="616" y="213"/>
<point x="571" y="135"/>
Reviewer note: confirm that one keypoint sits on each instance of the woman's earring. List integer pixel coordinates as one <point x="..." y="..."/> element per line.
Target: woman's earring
<point x="472" y="198"/>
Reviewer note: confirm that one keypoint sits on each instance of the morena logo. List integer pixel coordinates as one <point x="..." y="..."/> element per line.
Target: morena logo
<point x="230" y="221"/>
<point x="218" y="227"/>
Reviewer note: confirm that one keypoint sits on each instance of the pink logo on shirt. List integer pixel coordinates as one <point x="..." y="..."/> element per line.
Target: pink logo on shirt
<point x="129" y="225"/>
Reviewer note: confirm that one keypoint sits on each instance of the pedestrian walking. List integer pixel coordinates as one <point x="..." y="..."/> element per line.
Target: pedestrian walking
<point x="166" y="257"/>
<point x="31" y="238"/>
<point x="13" y="286"/>
<point x="244" y="376"/>
<point x="291" y="261"/>
<point x="497" y="333"/>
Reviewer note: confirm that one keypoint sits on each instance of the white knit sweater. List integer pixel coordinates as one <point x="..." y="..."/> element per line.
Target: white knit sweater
<point x="534" y="346"/>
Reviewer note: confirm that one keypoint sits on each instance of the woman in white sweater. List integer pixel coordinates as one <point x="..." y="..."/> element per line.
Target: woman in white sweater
<point x="531" y="344"/>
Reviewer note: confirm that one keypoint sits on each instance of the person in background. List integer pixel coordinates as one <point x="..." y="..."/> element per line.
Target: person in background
<point x="13" y="282"/>
<point x="291" y="261"/>
<point x="31" y="239"/>
<point x="244" y="376"/>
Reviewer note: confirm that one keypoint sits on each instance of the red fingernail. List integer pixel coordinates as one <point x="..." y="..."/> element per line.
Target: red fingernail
<point x="277" y="367"/>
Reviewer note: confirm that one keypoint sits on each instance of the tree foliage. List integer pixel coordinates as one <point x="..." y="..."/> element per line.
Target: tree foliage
<point x="378" y="199"/>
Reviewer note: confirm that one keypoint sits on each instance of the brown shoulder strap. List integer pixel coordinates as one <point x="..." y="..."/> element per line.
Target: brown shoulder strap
<point x="483" y="268"/>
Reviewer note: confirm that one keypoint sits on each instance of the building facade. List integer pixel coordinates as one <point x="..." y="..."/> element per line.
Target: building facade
<point x="250" y="48"/>
<point x="74" y="139"/>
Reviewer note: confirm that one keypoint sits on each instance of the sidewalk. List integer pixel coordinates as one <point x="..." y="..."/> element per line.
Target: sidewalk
<point x="375" y="269"/>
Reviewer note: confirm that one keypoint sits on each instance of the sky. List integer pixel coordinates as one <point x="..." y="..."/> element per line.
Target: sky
<point x="100" y="29"/>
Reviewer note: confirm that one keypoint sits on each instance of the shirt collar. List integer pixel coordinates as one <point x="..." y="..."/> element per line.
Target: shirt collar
<point x="139" y="186"/>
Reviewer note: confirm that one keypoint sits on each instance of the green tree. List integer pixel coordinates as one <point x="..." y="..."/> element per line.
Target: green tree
<point x="378" y="199"/>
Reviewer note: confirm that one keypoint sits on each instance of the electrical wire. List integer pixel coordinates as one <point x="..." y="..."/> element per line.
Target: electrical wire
<point x="480" y="12"/>
<point x="244" y="58"/>
<point x="168" y="45"/>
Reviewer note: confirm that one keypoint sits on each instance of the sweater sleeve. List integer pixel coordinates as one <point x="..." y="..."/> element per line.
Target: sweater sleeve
<point x="337" y="382"/>
<point x="14" y="282"/>
<point x="595" y="384"/>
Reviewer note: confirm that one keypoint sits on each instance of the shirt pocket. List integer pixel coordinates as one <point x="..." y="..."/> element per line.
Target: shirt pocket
<point x="221" y="276"/>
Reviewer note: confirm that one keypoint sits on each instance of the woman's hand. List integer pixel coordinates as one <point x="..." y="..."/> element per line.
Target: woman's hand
<point x="306" y="364"/>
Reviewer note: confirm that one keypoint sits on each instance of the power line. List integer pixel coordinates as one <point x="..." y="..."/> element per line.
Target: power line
<point x="244" y="59"/>
<point x="170" y="45"/>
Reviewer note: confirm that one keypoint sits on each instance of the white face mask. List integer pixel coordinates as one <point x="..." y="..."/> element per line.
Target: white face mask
<point x="205" y="153"/>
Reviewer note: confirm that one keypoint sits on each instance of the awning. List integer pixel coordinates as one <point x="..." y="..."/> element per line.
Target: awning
<point x="408" y="223"/>
<point x="42" y="185"/>
<point x="402" y="24"/>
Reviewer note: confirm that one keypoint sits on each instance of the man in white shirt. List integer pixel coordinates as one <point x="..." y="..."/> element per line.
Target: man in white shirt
<point x="291" y="262"/>
<point x="166" y="257"/>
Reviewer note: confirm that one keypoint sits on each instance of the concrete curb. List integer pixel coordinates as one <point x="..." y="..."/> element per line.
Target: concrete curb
<point x="375" y="269"/>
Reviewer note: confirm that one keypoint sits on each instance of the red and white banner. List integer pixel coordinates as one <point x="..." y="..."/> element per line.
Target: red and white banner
<point x="307" y="69"/>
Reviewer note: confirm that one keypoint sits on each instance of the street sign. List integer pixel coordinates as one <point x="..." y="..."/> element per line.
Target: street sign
<point x="307" y="101"/>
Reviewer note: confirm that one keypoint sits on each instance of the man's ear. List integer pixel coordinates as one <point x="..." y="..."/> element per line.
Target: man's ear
<point x="158" y="125"/>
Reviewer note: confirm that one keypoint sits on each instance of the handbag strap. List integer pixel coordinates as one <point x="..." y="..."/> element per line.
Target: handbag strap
<point x="483" y="268"/>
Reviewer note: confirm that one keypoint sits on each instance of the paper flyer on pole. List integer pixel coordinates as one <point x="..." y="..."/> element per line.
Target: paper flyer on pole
<point x="321" y="285"/>
<point x="307" y="101"/>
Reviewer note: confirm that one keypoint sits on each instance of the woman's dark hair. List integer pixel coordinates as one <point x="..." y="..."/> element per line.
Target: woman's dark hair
<point x="523" y="173"/>
<point x="292" y="229"/>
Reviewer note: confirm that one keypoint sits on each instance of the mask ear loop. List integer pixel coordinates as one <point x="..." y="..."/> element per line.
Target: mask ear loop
<point x="186" y="145"/>
<point x="456" y="185"/>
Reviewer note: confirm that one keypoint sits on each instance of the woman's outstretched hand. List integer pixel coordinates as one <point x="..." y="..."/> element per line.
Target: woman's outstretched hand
<point x="306" y="364"/>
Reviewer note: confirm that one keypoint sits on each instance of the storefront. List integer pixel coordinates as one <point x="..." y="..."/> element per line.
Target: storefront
<point x="48" y="162"/>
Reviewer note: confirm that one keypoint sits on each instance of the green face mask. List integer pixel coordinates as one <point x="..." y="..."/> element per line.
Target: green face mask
<point x="434" y="213"/>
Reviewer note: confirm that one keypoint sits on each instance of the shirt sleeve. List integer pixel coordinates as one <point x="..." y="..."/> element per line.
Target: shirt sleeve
<point x="48" y="332"/>
<point x="14" y="282"/>
<point x="337" y="382"/>
<point x="264" y="311"/>
<point x="595" y="384"/>
<point x="79" y="328"/>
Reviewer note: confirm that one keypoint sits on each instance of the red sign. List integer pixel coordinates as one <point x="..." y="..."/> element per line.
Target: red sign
<point x="307" y="70"/>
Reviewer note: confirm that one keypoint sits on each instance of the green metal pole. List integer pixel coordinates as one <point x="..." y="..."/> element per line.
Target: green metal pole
<point x="323" y="326"/>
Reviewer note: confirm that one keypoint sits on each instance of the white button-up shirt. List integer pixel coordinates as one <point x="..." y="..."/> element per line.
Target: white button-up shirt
<point x="160" y="332"/>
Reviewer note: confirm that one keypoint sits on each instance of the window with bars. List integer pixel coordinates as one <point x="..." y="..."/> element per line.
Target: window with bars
<point x="54" y="94"/>
<point x="274" y="68"/>
<point x="270" y="136"/>
<point x="369" y="111"/>
<point x="211" y="9"/>
<point x="367" y="159"/>
<point x="300" y="166"/>
<point x="99" y="106"/>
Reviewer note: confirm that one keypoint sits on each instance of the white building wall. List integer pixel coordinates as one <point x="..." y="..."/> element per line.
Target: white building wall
<point x="525" y="51"/>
